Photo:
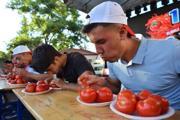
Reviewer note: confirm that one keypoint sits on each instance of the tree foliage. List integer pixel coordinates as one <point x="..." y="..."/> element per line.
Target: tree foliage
<point x="3" y="56"/>
<point x="48" y="21"/>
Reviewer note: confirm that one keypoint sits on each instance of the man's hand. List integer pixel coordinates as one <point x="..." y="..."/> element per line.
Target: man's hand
<point x="86" y="79"/>
<point x="20" y="71"/>
<point x="60" y="83"/>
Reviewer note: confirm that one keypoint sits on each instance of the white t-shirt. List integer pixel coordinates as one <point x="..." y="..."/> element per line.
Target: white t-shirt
<point x="31" y="70"/>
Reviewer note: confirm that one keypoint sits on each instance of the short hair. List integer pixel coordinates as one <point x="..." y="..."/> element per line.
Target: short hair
<point x="7" y="62"/>
<point x="87" y="28"/>
<point x="177" y="35"/>
<point x="43" y="56"/>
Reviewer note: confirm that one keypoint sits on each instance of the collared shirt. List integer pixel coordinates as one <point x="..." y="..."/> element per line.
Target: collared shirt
<point x="125" y="63"/>
<point x="156" y="67"/>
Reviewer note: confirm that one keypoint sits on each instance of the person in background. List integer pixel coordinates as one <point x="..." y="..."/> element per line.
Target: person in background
<point x="22" y="58"/>
<point x="142" y="64"/>
<point x="68" y="67"/>
<point x="7" y="66"/>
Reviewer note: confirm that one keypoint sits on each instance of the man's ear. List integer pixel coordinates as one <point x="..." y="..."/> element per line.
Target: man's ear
<point x="122" y="31"/>
<point x="56" y="58"/>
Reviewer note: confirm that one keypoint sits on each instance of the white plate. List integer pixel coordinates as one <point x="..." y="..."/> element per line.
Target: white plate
<point x="16" y="85"/>
<point x="95" y="104"/>
<point x="170" y="112"/>
<point x="3" y="76"/>
<point x="35" y="93"/>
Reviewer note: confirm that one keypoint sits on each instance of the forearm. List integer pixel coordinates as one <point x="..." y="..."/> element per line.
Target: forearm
<point x="38" y="76"/>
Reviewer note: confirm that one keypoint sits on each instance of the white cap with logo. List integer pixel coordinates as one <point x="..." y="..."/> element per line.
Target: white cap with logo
<point x="21" y="49"/>
<point x="107" y="12"/>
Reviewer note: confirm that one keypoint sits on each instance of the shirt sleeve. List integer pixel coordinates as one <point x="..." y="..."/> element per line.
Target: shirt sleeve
<point x="82" y="64"/>
<point x="176" y="57"/>
<point x="31" y="70"/>
<point x="111" y="71"/>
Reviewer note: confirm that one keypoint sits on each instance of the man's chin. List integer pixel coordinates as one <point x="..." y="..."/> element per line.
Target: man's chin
<point x="21" y="66"/>
<point x="113" y="61"/>
<point x="110" y="59"/>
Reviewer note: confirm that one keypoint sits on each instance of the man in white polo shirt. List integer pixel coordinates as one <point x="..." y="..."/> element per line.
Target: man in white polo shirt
<point x="138" y="64"/>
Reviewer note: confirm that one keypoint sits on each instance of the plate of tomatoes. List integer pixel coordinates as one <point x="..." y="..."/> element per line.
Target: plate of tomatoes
<point x="142" y="106"/>
<point x="35" y="93"/>
<point x="36" y="88"/>
<point x="100" y="97"/>
<point x="169" y="113"/>
<point x="18" y="81"/>
<point x="17" y="85"/>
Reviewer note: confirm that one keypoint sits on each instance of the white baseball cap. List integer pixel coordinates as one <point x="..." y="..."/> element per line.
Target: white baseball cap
<point x="21" y="49"/>
<point x="107" y="12"/>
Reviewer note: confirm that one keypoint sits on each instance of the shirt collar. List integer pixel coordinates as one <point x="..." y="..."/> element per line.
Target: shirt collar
<point x="140" y="54"/>
<point x="125" y="63"/>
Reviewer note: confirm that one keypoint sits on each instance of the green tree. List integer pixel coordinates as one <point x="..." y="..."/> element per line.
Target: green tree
<point x="23" y="38"/>
<point x="3" y="56"/>
<point x="48" y="21"/>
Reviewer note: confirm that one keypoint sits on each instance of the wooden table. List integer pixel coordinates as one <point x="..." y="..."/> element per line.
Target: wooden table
<point x="62" y="105"/>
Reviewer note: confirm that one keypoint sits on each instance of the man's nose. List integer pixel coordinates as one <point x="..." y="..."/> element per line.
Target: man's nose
<point x="99" y="50"/>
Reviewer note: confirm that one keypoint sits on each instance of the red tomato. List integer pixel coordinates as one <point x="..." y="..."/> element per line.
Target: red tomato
<point x="20" y="81"/>
<point x="126" y="103"/>
<point x="18" y="77"/>
<point x="163" y="101"/>
<point x="11" y="77"/>
<point x="41" y="82"/>
<point x="30" y="87"/>
<point x="42" y="87"/>
<point x="165" y="105"/>
<point x="88" y="95"/>
<point x="143" y="94"/>
<point x="149" y="107"/>
<point x="104" y="94"/>
<point x="84" y="83"/>
<point x="125" y="92"/>
<point x="13" y="81"/>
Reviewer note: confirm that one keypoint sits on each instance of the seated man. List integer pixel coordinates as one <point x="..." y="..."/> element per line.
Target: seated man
<point x="67" y="67"/>
<point x="22" y="57"/>
<point x="137" y="64"/>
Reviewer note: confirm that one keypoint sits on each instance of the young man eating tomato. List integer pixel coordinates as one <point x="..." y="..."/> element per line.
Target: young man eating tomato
<point x="137" y="64"/>
<point x="67" y="67"/>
